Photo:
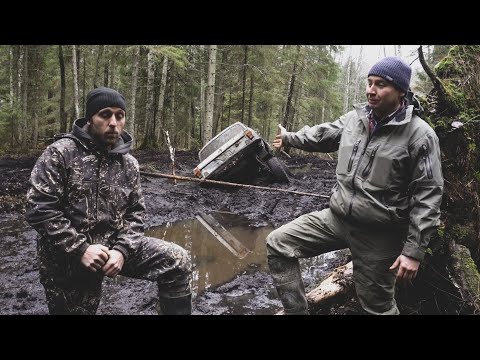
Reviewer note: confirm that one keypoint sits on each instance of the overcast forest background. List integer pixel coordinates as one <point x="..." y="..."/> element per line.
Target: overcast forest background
<point x="195" y="91"/>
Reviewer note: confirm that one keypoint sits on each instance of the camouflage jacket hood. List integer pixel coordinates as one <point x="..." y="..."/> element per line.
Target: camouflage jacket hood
<point x="81" y="194"/>
<point x="79" y="133"/>
<point x="391" y="179"/>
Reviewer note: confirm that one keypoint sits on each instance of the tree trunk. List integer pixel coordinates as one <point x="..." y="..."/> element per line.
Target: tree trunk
<point x="149" y="138"/>
<point x="290" y="92"/>
<point x="63" y="114"/>
<point x="202" y="94"/>
<point x="207" y="126"/>
<point x="244" y="80"/>
<point x="346" y="99"/>
<point x="171" y="126"/>
<point x="131" y="120"/>
<point x="111" y="60"/>
<point x="75" y="82"/>
<point x="11" y="99"/>
<point x="84" y="84"/>
<point x="98" y="65"/>
<point x="220" y="92"/>
<point x="25" y="97"/>
<point x="250" y="103"/>
<point x="106" y="65"/>
<point x="161" y="100"/>
<point x="11" y="87"/>
<point x="445" y="104"/>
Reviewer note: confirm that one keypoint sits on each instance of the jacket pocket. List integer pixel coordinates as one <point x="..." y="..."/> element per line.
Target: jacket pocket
<point x="354" y="153"/>
<point x="367" y="168"/>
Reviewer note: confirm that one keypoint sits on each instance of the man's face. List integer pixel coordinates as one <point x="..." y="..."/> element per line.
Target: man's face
<point x="107" y="125"/>
<point x="382" y="96"/>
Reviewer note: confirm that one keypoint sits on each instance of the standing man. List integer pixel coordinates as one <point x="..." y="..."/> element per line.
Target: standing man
<point x="85" y="201"/>
<point x="385" y="204"/>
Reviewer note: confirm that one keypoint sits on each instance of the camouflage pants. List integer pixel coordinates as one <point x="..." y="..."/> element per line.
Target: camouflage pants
<point x="373" y="252"/>
<point x="79" y="292"/>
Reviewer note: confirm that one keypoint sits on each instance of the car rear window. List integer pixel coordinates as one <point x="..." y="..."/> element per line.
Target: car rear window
<point x="220" y="140"/>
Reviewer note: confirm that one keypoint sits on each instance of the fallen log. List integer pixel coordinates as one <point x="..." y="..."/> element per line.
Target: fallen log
<point x="338" y="283"/>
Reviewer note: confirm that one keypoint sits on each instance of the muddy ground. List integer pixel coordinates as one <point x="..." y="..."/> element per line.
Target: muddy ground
<point x="21" y="292"/>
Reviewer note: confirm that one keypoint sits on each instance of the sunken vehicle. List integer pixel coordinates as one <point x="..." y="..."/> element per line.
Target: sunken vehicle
<point x="239" y="154"/>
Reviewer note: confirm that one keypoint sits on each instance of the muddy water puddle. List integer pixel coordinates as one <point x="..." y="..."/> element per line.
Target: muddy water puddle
<point x="215" y="259"/>
<point x="230" y="271"/>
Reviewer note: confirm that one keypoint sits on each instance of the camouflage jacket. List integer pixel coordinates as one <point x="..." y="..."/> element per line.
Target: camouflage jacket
<point x="80" y="194"/>
<point x="392" y="179"/>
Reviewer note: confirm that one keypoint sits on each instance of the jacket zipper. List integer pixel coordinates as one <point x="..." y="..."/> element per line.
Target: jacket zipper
<point x="370" y="162"/>
<point x="100" y="159"/>
<point x="354" y="153"/>
<point x="353" y="178"/>
<point x="428" y="163"/>
<point x="369" y="138"/>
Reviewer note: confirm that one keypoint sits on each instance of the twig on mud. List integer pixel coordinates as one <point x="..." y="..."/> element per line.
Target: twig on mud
<point x="172" y="154"/>
<point x="228" y="184"/>
<point x="285" y="153"/>
<point x="180" y="192"/>
<point x="272" y="207"/>
<point x="223" y="212"/>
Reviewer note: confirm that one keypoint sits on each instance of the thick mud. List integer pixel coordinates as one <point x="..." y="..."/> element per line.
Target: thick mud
<point x="249" y="293"/>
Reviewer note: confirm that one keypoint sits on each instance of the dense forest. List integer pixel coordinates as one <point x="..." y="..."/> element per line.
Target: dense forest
<point x="193" y="91"/>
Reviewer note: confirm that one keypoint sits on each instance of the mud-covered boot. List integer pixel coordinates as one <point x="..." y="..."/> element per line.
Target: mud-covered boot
<point x="287" y="279"/>
<point x="181" y="305"/>
<point x="175" y="298"/>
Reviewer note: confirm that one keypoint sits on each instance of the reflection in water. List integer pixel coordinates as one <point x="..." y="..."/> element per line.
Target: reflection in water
<point x="213" y="263"/>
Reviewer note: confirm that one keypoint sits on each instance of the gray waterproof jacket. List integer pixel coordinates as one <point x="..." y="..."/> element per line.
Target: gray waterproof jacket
<point x="81" y="194"/>
<point x="394" y="179"/>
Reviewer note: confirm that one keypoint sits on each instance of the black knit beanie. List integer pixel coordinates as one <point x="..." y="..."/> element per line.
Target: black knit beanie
<point x="101" y="98"/>
<point x="395" y="70"/>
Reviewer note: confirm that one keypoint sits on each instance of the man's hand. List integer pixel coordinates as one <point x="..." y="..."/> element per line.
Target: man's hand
<point x="278" y="142"/>
<point x="114" y="264"/>
<point x="407" y="268"/>
<point x="95" y="257"/>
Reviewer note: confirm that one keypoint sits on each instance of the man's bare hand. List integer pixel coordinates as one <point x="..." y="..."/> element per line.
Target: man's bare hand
<point x="407" y="268"/>
<point x="114" y="264"/>
<point x="95" y="257"/>
<point x="278" y="142"/>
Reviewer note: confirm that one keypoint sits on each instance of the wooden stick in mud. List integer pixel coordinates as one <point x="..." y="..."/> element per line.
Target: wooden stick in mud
<point x="160" y="175"/>
<point x="172" y="154"/>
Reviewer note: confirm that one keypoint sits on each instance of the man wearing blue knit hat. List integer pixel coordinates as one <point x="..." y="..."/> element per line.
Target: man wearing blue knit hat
<point x="385" y="204"/>
<point x="85" y="201"/>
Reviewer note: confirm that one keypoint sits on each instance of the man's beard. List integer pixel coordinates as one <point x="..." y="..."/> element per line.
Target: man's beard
<point x="103" y="139"/>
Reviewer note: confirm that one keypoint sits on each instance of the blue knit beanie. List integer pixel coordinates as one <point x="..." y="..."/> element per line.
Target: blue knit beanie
<point x="395" y="70"/>
<point x="101" y="98"/>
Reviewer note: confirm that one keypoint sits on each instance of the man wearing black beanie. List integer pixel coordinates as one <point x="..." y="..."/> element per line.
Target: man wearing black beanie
<point x="85" y="201"/>
<point x="385" y="204"/>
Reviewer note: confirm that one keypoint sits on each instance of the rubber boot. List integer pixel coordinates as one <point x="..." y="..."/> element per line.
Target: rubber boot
<point x="175" y="305"/>
<point x="175" y="299"/>
<point x="288" y="281"/>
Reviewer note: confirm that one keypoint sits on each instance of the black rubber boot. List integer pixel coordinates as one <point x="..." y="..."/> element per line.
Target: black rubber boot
<point x="287" y="279"/>
<point x="175" y="305"/>
<point x="175" y="298"/>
